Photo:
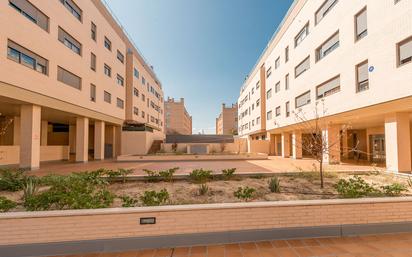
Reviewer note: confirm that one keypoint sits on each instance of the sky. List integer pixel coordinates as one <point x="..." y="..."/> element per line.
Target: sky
<point x="201" y="50"/>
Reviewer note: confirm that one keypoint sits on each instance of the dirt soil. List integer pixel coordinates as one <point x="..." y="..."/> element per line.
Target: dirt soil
<point x="293" y="186"/>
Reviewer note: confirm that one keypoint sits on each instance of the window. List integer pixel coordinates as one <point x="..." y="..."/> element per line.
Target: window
<point x="287" y="82"/>
<point x="328" y="88"/>
<point x="93" y="31"/>
<point x="361" y="24"/>
<point x="92" y="93"/>
<point x="120" y="56"/>
<point x="68" y="78"/>
<point x="143" y="114"/>
<point x="303" y="33"/>
<point x="27" y="58"/>
<point x="143" y="81"/>
<point x="277" y="63"/>
<point x="107" y="97"/>
<point x="120" y="103"/>
<point x="269" y="94"/>
<point x="269" y="72"/>
<point x="362" y="76"/>
<point x="257" y="102"/>
<point x="257" y="120"/>
<point x="302" y="100"/>
<point x="269" y="115"/>
<point x="302" y="67"/>
<point x="73" y="8"/>
<point x="326" y="48"/>
<point x="253" y="91"/>
<point x="287" y="108"/>
<point x="135" y="92"/>
<point x="69" y="41"/>
<point x="136" y="111"/>
<point x="277" y="111"/>
<point x="404" y="50"/>
<point x="136" y="73"/>
<point x="107" y="44"/>
<point x="397" y="1"/>
<point x="324" y="9"/>
<point x="257" y="85"/>
<point x="143" y="97"/>
<point x="31" y="12"/>
<point x="93" y="61"/>
<point x="277" y="87"/>
<point x="107" y="70"/>
<point x="286" y="54"/>
<point x="120" y="80"/>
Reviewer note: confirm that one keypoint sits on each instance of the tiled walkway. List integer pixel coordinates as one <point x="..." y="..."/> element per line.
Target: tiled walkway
<point x="273" y="164"/>
<point x="390" y="245"/>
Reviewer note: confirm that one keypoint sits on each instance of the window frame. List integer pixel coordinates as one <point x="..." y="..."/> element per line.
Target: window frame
<point x="398" y="52"/>
<point x="326" y="12"/>
<point x="357" y="76"/>
<point x="360" y="36"/>
<point x="304" y="28"/>
<point x="304" y="60"/>
<point x="307" y="103"/>
<point x="332" y="91"/>
<point x="330" y="49"/>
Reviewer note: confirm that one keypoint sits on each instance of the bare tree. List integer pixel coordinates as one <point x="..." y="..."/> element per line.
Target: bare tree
<point x="4" y="124"/>
<point x="317" y="143"/>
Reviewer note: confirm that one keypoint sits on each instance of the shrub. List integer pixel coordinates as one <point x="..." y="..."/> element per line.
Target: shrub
<point x="153" y="198"/>
<point x="394" y="189"/>
<point x="120" y="173"/>
<point x="152" y="176"/>
<point x="30" y="187"/>
<point x="167" y="175"/>
<point x="228" y="173"/>
<point x="410" y="182"/>
<point x="355" y="187"/>
<point x="86" y="190"/>
<point x="6" y="204"/>
<point x="200" y="176"/>
<point x="274" y="185"/>
<point x="128" y="201"/>
<point x="244" y="193"/>
<point x="203" y="189"/>
<point x="11" y="180"/>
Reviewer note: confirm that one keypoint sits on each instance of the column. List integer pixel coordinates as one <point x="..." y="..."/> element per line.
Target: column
<point x="72" y="138"/>
<point x="44" y="130"/>
<point x="30" y="116"/>
<point x="398" y="142"/>
<point x="297" y="145"/>
<point x="285" y="145"/>
<point x="82" y="139"/>
<point x="331" y="136"/>
<point x="99" y="140"/>
<point x="16" y="130"/>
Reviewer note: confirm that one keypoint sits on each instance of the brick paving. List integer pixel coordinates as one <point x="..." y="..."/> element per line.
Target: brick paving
<point x="273" y="164"/>
<point x="388" y="245"/>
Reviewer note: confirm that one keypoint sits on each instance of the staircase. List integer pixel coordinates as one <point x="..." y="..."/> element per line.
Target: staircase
<point x="156" y="146"/>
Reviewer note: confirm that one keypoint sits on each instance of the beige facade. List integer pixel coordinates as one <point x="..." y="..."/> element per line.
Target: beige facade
<point x="350" y="60"/>
<point x="178" y="120"/>
<point x="65" y="82"/>
<point x="226" y="123"/>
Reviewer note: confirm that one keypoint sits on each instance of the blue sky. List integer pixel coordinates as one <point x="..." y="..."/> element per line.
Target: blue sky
<point x="201" y="49"/>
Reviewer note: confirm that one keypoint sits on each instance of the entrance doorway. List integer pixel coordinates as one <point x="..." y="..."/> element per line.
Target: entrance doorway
<point x="377" y="147"/>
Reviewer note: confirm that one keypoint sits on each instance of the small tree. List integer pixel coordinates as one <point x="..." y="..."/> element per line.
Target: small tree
<point x="318" y="144"/>
<point x="4" y="124"/>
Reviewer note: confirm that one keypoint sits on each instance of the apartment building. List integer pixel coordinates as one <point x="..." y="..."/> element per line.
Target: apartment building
<point x="351" y="60"/>
<point x="63" y="80"/>
<point x="226" y="122"/>
<point x="178" y="121"/>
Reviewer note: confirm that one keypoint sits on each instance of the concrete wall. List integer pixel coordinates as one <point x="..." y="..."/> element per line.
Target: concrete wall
<point x="259" y="146"/>
<point x="10" y="155"/>
<point x="78" y="225"/>
<point x="239" y="145"/>
<point x="138" y="142"/>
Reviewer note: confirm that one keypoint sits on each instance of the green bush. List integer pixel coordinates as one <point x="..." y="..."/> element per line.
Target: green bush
<point x="394" y="189"/>
<point x="228" y="173"/>
<point x="128" y="201"/>
<point x="244" y="193"/>
<point x="11" y="180"/>
<point x="153" y="198"/>
<point x="203" y="189"/>
<point x="167" y="175"/>
<point x="152" y="176"/>
<point x="355" y="187"/>
<point x="86" y="190"/>
<point x="274" y="185"/>
<point x="6" y="204"/>
<point x="30" y="186"/>
<point x="120" y="173"/>
<point x="200" y="176"/>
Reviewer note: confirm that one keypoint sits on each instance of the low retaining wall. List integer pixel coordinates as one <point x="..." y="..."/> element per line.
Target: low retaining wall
<point x="10" y="155"/>
<point x="189" y="157"/>
<point x="63" y="232"/>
